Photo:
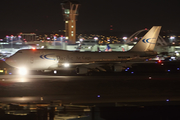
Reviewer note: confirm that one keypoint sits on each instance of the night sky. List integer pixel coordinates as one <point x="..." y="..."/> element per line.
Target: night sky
<point x="94" y="15"/>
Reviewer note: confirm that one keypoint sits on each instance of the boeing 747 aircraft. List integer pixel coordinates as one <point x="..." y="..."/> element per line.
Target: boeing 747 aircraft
<point x="83" y="62"/>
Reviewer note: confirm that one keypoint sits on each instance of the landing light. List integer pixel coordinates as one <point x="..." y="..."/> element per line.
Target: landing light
<point x="66" y="64"/>
<point x="22" y="71"/>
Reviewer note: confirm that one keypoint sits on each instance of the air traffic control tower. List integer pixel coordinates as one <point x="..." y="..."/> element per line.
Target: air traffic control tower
<point x="70" y="13"/>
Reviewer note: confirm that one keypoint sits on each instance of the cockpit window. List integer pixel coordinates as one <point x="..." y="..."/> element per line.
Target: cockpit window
<point x="19" y="52"/>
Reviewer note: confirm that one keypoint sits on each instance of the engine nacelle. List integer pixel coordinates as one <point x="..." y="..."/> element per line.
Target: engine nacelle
<point x="81" y="70"/>
<point x="117" y="68"/>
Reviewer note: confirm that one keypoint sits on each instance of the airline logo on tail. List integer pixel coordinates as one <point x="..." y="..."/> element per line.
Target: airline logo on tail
<point x="108" y="48"/>
<point x="147" y="40"/>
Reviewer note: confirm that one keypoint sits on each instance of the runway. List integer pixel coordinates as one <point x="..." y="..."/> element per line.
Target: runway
<point x="89" y="89"/>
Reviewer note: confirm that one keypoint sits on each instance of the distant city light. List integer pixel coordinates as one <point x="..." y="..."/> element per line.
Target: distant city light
<point x="96" y="38"/>
<point x="177" y="54"/>
<point x="172" y="37"/>
<point x="124" y="38"/>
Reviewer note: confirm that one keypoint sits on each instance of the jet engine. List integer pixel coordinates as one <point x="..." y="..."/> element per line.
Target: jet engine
<point x="117" y="68"/>
<point x="81" y="70"/>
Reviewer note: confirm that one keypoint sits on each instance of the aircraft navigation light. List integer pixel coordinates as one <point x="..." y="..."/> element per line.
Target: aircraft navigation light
<point x="33" y="48"/>
<point x="66" y="64"/>
<point x="55" y="72"/>
<point x="159" y="61"/>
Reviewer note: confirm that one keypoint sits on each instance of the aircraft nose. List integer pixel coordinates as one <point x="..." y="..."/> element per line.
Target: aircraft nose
<point x="10" y="61"/>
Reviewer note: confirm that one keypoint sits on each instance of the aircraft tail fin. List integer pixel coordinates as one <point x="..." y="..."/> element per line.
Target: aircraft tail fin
<point x="148" y="42"/>
<point x="108" y="48"/>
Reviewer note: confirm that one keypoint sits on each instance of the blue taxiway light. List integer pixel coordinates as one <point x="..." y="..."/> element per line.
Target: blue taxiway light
<point x="177" y="68"/>
<point x="169" y="70"/>
<point x="167" y="100"/>
<point x="132" y="72"/>
<point x="98" y="96"/>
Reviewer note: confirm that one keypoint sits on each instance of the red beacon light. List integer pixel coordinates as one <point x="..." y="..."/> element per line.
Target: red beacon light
<point x="33" y="49"/>
<point x="159" y="61"/>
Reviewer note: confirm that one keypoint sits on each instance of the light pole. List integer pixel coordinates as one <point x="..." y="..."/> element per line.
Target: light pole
<point x="11" y="41"/>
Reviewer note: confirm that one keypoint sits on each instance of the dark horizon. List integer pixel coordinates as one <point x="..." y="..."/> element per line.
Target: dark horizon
<point x="94" y="16"/>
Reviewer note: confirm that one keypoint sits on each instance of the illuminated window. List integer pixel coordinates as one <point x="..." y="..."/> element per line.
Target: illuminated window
<point x="67" y="37"/>
<point x="71" y="31"/>
<point x="72" y="34"/>
<point x="66" y="21"/>
<point x="72" y="26"/>
<point x="72" y="20"/>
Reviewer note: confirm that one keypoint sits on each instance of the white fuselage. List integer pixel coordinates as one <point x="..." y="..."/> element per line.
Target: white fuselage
<point x="54" y="59"/>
